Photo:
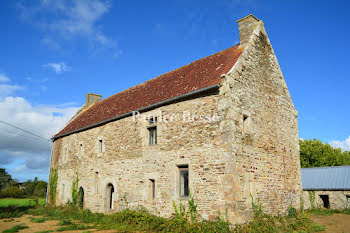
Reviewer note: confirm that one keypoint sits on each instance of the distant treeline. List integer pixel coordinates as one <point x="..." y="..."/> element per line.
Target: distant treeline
<point x="12" y="188"/>
<point x="315" y="153"/>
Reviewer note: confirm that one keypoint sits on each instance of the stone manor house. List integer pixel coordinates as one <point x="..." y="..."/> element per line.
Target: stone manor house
<point x="222" y="128"/>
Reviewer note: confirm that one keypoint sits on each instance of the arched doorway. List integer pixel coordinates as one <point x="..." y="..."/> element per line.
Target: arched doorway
<point x="110" y="192"/>
<point x="81" y="197"/>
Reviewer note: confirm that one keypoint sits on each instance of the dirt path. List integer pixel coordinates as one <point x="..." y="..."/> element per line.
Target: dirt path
<point x="50" y="225"/>
<point x="336" y="223"/>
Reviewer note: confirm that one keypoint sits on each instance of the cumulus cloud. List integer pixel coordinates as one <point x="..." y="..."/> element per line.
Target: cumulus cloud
<point x="59" y="67"/>
<point x="344" y="145"/>
<point x="16" y="145"/>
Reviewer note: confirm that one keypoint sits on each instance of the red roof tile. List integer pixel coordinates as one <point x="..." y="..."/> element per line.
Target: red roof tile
<point x="199" y="74"/>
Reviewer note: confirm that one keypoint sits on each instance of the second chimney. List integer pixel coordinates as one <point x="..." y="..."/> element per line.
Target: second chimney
<point x="246" y="27"/>
<point x="92" y="98"/>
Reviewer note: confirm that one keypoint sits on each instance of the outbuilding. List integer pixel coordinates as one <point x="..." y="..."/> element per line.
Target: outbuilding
<point x="327" y="187"/>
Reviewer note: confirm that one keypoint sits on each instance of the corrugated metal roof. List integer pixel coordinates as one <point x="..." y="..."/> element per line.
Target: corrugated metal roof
<point x="326" y="178"/>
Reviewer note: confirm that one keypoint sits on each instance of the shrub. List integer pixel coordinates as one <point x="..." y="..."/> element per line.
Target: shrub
<point x="40" y="189"/>
<point x="12" y="191"/>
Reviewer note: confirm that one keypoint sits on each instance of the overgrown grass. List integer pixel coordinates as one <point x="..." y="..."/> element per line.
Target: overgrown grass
<point x="328" y="212"/>
<point x="5" y="202"/>
<point x="38" y="220"/>
<point x="74" y="227"/>
<point x="141" y="220"/>
<point x="15" y="228"/>
<point x="13" y="211"/>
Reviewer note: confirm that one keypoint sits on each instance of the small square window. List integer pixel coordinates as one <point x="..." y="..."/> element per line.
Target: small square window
<point x="184" y="188"/>
<point x="153" y="120"/>
<point x="152" y="135"/>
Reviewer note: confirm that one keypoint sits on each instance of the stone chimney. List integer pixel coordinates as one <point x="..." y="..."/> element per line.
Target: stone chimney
<point x="246" y="27"/>
<point x="92" y="98"/>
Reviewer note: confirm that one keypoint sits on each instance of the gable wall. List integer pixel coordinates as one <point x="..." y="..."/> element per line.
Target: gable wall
<point x="266" y="159"/>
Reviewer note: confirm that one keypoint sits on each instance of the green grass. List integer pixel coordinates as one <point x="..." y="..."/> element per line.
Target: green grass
<point x="4" y="202"/>
<point x="74" y="227"/>
<point x="65" y="222"/>
<point x="328" y="212"/>
<point x="11" y="208"/>
<point x="15" y="228"/>
<point x="38" y="220"/>
<point x="44" y="231"/>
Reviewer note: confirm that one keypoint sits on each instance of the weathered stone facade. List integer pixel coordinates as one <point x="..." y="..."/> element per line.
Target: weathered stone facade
<point x="337" y="199"/>
<point x="249" y="149"/>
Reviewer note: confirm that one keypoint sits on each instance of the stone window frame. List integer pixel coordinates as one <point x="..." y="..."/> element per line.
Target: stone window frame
<point x="152" y="129"/>
<point x="151" y="189"/>
<point x="96" y="181"/>
<point x="246" y="122"/>
<point x="146" y="190"/>
<point x="178" y="167"/>
<point x="100" y="147"/>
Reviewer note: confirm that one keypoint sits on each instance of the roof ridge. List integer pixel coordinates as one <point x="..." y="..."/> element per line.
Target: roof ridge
<point x="159" y="76"/>
<point x="325" y="167"/>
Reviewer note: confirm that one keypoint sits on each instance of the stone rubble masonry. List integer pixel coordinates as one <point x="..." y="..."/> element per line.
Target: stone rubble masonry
<point x="338" y="199"/>
<point x="230" y="160"/>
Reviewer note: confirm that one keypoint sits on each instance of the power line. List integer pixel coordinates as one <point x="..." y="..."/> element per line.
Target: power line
<point x="24" y="130"/>
<point x="22" y="135"/>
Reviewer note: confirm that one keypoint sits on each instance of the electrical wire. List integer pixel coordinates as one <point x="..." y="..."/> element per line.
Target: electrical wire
<point x="26" y="131"/>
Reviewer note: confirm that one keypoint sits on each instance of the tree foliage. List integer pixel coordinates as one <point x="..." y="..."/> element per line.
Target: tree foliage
<point x="40" y="189"/>
<point x="6" y="179"/>
<point x="11" y="191"/>
<point x="315" y="153"/>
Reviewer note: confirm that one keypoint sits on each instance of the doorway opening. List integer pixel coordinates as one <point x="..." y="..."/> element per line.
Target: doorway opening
<point x="110" y="192"/>
<point x="325" y="199"/>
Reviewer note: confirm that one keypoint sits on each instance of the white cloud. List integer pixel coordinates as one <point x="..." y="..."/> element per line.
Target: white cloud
<point x="68" y="19"/>
<point x="16" y="145"/>
<point x="344" y="145"/>
<point x="7" y="89"/>
<point x="58" y="67"/>
<point x="4" y="78"/>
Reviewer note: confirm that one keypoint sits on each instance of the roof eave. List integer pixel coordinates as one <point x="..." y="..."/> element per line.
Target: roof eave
<point x="143" y="109"/>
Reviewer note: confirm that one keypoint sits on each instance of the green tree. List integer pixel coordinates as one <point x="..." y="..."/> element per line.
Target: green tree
<point x="6" y="179"/>
<point x="40" y="189"/>
<point x="315" y="153"/>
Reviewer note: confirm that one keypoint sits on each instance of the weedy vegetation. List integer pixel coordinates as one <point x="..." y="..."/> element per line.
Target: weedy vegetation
<point x="15" y="228"/>
<point x="185" y="219"/>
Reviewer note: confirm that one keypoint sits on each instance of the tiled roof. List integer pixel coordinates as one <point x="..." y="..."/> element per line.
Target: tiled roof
<point x="197" y="75"/>
<point x="326" y="178"/>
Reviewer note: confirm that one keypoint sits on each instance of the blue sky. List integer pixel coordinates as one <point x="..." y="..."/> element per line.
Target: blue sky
<point x="54" y="52"/>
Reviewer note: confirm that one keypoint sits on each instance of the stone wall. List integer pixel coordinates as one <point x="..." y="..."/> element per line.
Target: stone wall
<point x="337" y="199"/>
<point x="250" y="149"/>
<point x="265" y="154"/>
